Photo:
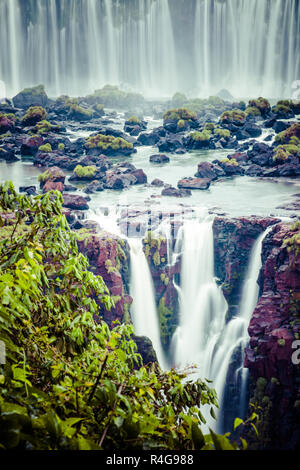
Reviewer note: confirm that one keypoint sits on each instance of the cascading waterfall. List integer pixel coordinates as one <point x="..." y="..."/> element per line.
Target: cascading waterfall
<point x="203" y="338"/>
<point x="249" y="47"/>
<point x="143" y="309"/>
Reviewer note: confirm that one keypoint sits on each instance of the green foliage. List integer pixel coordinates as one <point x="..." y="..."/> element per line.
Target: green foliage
<point x="53" y="173"/>
<point x="252" y="111"/>
<point x="85" y="172"/>
<point x="112" y="96"/>
<point x="203" y="136"/>
<point x="165" y="316"/>
<point x="78" y="112"/>
<point x="286" y="136"/>
<point x="70" y="383"/>
<point x="262" y="104"/>
<point x="108" y="143"/>
<point x="229" y="161"/>
<point x="44" y="127"/>
<point x="225" y="133"/>
<point x="178" y="114"/>
<point x="134" y="120"/>
<point x="181" y="123"/>
<point x="61" y="146"/>
<point x="45" y="148"/>
<point x="234" y="115"/>
<point x="34" y="91"/>
<point x="33" y="115"/>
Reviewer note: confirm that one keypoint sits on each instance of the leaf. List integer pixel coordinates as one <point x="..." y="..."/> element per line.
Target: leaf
<point x="197" y="437"/>
<point x="255" y="429"/>
<point x="237" y="423"/>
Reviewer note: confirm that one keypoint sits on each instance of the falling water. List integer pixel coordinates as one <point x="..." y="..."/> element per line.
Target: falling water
<point x="143" y="309"/>
<point x="156" y="47"/>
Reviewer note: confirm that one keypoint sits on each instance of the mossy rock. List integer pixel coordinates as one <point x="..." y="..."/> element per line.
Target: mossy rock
<point x="33" y="115"/>
<point x="45" y="148"/>
<point x="109" y="145"/>
<point x="35" y="96"/>
<point x="236" y="115"/>
<point x="85" y="172"/>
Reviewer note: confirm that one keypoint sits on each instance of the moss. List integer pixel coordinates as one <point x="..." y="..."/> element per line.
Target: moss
<point x="134" y="120"/>
<point x="181" y="123"/>
<point x="252" y="111"/>
<point x="209" y="126"/>
<point x="45" y="148"/>
<point x="77" y="111"/>
<point x="262" y="104"/>
<point x="228" y="161"/>
<point x="108" y="142"/>
<point x="281" y="109"/>
<point x="112" y="96"/>
<point x="234" y="115"/>
<point x="225" y="133"/>
<point x="50" y="174"/>
<point x="33" y="115"/>
<point x="43" y="127"/>
<point x="281" y="342"/>
<point x="85" y="172"/>
<point x="165" y="316"/>
<point x="285" y="137"/>
<point x="178" y="114"/>
<point x="156" y="258"/>
<point x="203" y="136"/>
<point x="61" y="146"/>
<point x="34" y="91"/>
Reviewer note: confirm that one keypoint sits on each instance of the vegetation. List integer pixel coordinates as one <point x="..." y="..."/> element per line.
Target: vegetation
<point x="44" y="127"/>
<point x="69" y="382"/>
<point x="229" y="161"/>
<point x="7" y="122"/>
<point x="112" y="96"/>
<point x="224" y="133"/>
<point x="252" y="111"/>
<point x="108" y="143"/>
<point x="85" y="172"/>
<point x="134" y="120"/>
<point x="232" y="116"/>
<point x="179" y="114"/>
<point x="203" y="136"/>
<point x="33" y="115"/>
<point x="262" y="104"/>
<point x="45" y="148"/>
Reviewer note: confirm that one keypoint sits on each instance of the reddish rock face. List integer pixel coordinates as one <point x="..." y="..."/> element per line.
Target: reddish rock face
<point x="72" y="201"/>
<point x="106" y="258"/>
<point x="274" y="327"/>
<point x="53" y="186"/>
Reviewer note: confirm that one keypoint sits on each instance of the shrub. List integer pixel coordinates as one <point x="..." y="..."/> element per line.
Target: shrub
<point x="284" y="137"/>
<point x="252" y="111"/>
<point x="44" y="127"/>
<point x="225" y="133"/>
<point x="61" y="146"/>
<point x="134" y="120"/>
<point x="229" y="161"/>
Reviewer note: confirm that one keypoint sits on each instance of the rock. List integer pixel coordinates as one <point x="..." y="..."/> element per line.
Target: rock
<point x="209" y="171"/>
<point x="253" y="130"/>
<point x="280" y="126"/>
<point x="194" y="183"/>
<point x="30" y="145"/>
<point x="159" y="158"/>
<point x="254" y="170"/>
<point x="145" y="349"/>
<point x="53" y="186"/>
<point x="148" y="139"/>
<point x="53" y="174"/>
<point x="72" y="201"/>
<point x="173" y="192"/>
<point x="8" y="155"/>
<point x="35" y="96"/>
<point x="141" y="177"/>
<point x="157" y="182"/>
<point x="94" y="186"/>
<point x="29" y="190"/>
<point x="273" y="329"/>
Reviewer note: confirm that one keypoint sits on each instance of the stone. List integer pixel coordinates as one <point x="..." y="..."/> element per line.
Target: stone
<point x="194" y="183"/>
<point x="159" y="158"/>
<point x="75" y="202"/>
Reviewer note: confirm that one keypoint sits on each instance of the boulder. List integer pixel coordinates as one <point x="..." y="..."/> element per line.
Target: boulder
<point x="174" y="192"/>
<point x="74" y="202"/>
<point x="194" y="183"/>
<point x="159" y="158"/>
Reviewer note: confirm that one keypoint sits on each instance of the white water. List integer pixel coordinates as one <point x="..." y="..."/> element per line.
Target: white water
<point x="250" y="47"/>
<point x="203" y="338"/>
<point x="143" y="309"/>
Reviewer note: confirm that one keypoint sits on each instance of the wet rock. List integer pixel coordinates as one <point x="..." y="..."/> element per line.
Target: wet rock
<point x="159" y="158"/>
<point x="35" y="96"/>
<point x="75" y="202"/>
<point x="29" y="190"/>
<point x="148" y="138"/>
<point x="194" y="183"/>
<point x="209" y="171"/>
<point x="53" y="186"/>
<point x="254" y="170"/>
<point x="174" y="192"/>
<point x="157" y="182"/>
<point x="30" y="145"/>
<point x="8" y="155"/>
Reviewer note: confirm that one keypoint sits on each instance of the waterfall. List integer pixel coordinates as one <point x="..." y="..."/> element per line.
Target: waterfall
<point x="203" y="338"/>
<point x="156" y="47"/>
<point x="143" y="309"/>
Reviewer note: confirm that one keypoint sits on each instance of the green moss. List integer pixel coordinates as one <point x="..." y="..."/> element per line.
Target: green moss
<point x="108" y="142"/>
<point x="285" y="137"/>
<point x="85" y="172"/>
<point x="203" y="136"/>
<point x="43" y="127"/>
<point x="156" y="258"/>
<point x="61" y="146"/>
<point x="280" y="108"/>
<point x="45" y="148"/>
<point x="134" y="120"/>
<point x="181" y="123"/>
<point x="281" y="342"/>
<point x="35" y="91"/>
<point x="262" y="104"/>
<point x="165" y="316"/>
<point x="234" y="115"/>
<point x="252" y="111"/>
<point x="231" y="161"/>
<point x="225" y="133"/>
<point x="33" y="115"/>
<point x="112" y="96"/>
<point x="178" y="114"/>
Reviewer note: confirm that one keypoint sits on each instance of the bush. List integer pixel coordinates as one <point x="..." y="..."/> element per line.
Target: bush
<point x="108" y="143"/>
<point x="234" y="115"/>
<point x="225" y="133"/>
<point x="179" y="114"/>
<point x="285" y="137"/>
<point x="70" y="383"/>
<point x="252" y="111"/>
<point x="203" y="136"/>
<point x="262" y="104"/>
